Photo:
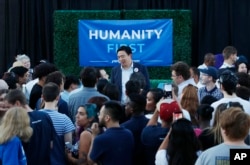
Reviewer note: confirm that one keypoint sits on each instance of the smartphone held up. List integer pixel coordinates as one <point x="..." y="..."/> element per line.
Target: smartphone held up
<point x="167" y="90"/>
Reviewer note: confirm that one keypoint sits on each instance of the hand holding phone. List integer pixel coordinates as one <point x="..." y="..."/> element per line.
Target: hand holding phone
<point x="167" y="90"/>
<point x="68" y="146"/>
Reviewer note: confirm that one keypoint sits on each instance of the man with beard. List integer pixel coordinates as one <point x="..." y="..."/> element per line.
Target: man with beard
<point x="116" y="144"/>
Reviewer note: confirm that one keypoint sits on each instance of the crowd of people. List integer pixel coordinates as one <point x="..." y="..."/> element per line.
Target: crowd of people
<point x="47" y="118"/>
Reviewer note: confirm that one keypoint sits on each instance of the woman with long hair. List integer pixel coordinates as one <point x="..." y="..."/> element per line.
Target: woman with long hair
<point x="190" y="102"/>
<point x="15" y="127"/>
<point x="180" y="146"/>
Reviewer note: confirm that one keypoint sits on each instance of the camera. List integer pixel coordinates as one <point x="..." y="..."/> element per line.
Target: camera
<point x="167" y="90"/>
<point x="72" y="148"/>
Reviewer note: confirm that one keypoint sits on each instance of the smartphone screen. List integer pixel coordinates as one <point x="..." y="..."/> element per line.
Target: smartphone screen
<point x="167" y="87"/>
<point x="167" y="90"/>
<point x="177" y="115"/>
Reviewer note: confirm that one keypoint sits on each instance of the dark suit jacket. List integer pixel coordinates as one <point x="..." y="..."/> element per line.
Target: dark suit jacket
<point x="116" y="75"/>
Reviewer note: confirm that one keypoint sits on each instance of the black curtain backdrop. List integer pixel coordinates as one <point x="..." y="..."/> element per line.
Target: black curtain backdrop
<point x="26" y="26"/>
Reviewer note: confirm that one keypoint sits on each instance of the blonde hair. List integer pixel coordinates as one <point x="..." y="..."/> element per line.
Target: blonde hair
<point x="216" y="129"/>
<point x="15" y="122"/>
<point x="216" y="125"/>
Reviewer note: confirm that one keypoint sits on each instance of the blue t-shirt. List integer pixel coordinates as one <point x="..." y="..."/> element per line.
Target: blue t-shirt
<point x="38" y="148"/>
<point x="12" y="153"/>
<point x="152" y="137"/>
<point x="136" y="125"/>
<point x="113" y="147"/>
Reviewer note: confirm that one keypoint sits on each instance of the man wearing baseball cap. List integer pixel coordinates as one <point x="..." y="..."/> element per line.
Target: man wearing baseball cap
<point x="208" y="78"/>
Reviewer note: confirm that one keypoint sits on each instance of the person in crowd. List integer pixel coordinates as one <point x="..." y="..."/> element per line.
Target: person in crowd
<point x="62" y="123"/>
<point x="211" y="136"/>
<point x="195" y="74"/>
<point x="228" y="82"/>
<point x="204" y="112"/>
<point x="234" y="125"/>
<point x="180" y="146"/>
<point x="243" y="92"/>
<point x="71" y="83"/>
<point x="138" y="76"/>
<point x="16" y="77"/>
<point x="180" y="74"/>
<point x="58" y="78"/>
<point x="230" y="57"/>
<point x="101" y="83"/>
<point x="208" y="78"/>
<point x="89" y="79"/>
<point x="40" y="71"/>
<point x="204" y="115"/>
<point x="120" y="74"/>
<point x="241" y="66"/>
<point x="153" y="134"/>
<point x="14" y="129"/>
<point x="112" y="91"/>
<point x="102" y="74"/>
<point x="86" y="115"/>
<point x="21" y="75"/>
<point x="136" y="107"/>
<point x="153" y="97"/>
<point x="10" y="80"/>
<point x="209" y="60"/>
<point x="98" y="101"/>
<point x="174" y="91"/>
<point x="132" y="86"/>
<point x="3" y="107"/>
<point x="25" y="60"/>
<point x="243" y="86"/>
<point x="189" y="101"/>
<point x="208" y="99"/>
<point x="243" y="79"/>
<point x="110" y="153"/>
<point x="39" y="146"/>
<point x="29" y="85"/>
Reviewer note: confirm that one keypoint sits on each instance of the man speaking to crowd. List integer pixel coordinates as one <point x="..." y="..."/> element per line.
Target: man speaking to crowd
<point x="120" y="74"/>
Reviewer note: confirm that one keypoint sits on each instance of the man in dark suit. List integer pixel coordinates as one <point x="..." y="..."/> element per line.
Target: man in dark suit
<point x="121" y="73"/>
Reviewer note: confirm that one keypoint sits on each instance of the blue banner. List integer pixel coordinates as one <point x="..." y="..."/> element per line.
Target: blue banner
<point x="151" y="41"/>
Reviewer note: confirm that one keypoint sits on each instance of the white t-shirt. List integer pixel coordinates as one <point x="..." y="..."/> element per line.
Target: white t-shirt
<point x="203" y="66"/>
<point x="244" y="103"/>
<point x="161" y="157"/>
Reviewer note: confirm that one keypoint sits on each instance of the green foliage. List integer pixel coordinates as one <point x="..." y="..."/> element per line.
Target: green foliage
<point x="66" y="51"/>
<point x="66" y="36"/>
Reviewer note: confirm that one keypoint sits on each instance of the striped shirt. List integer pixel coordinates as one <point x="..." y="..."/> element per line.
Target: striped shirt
<point x="61" y="122"/>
